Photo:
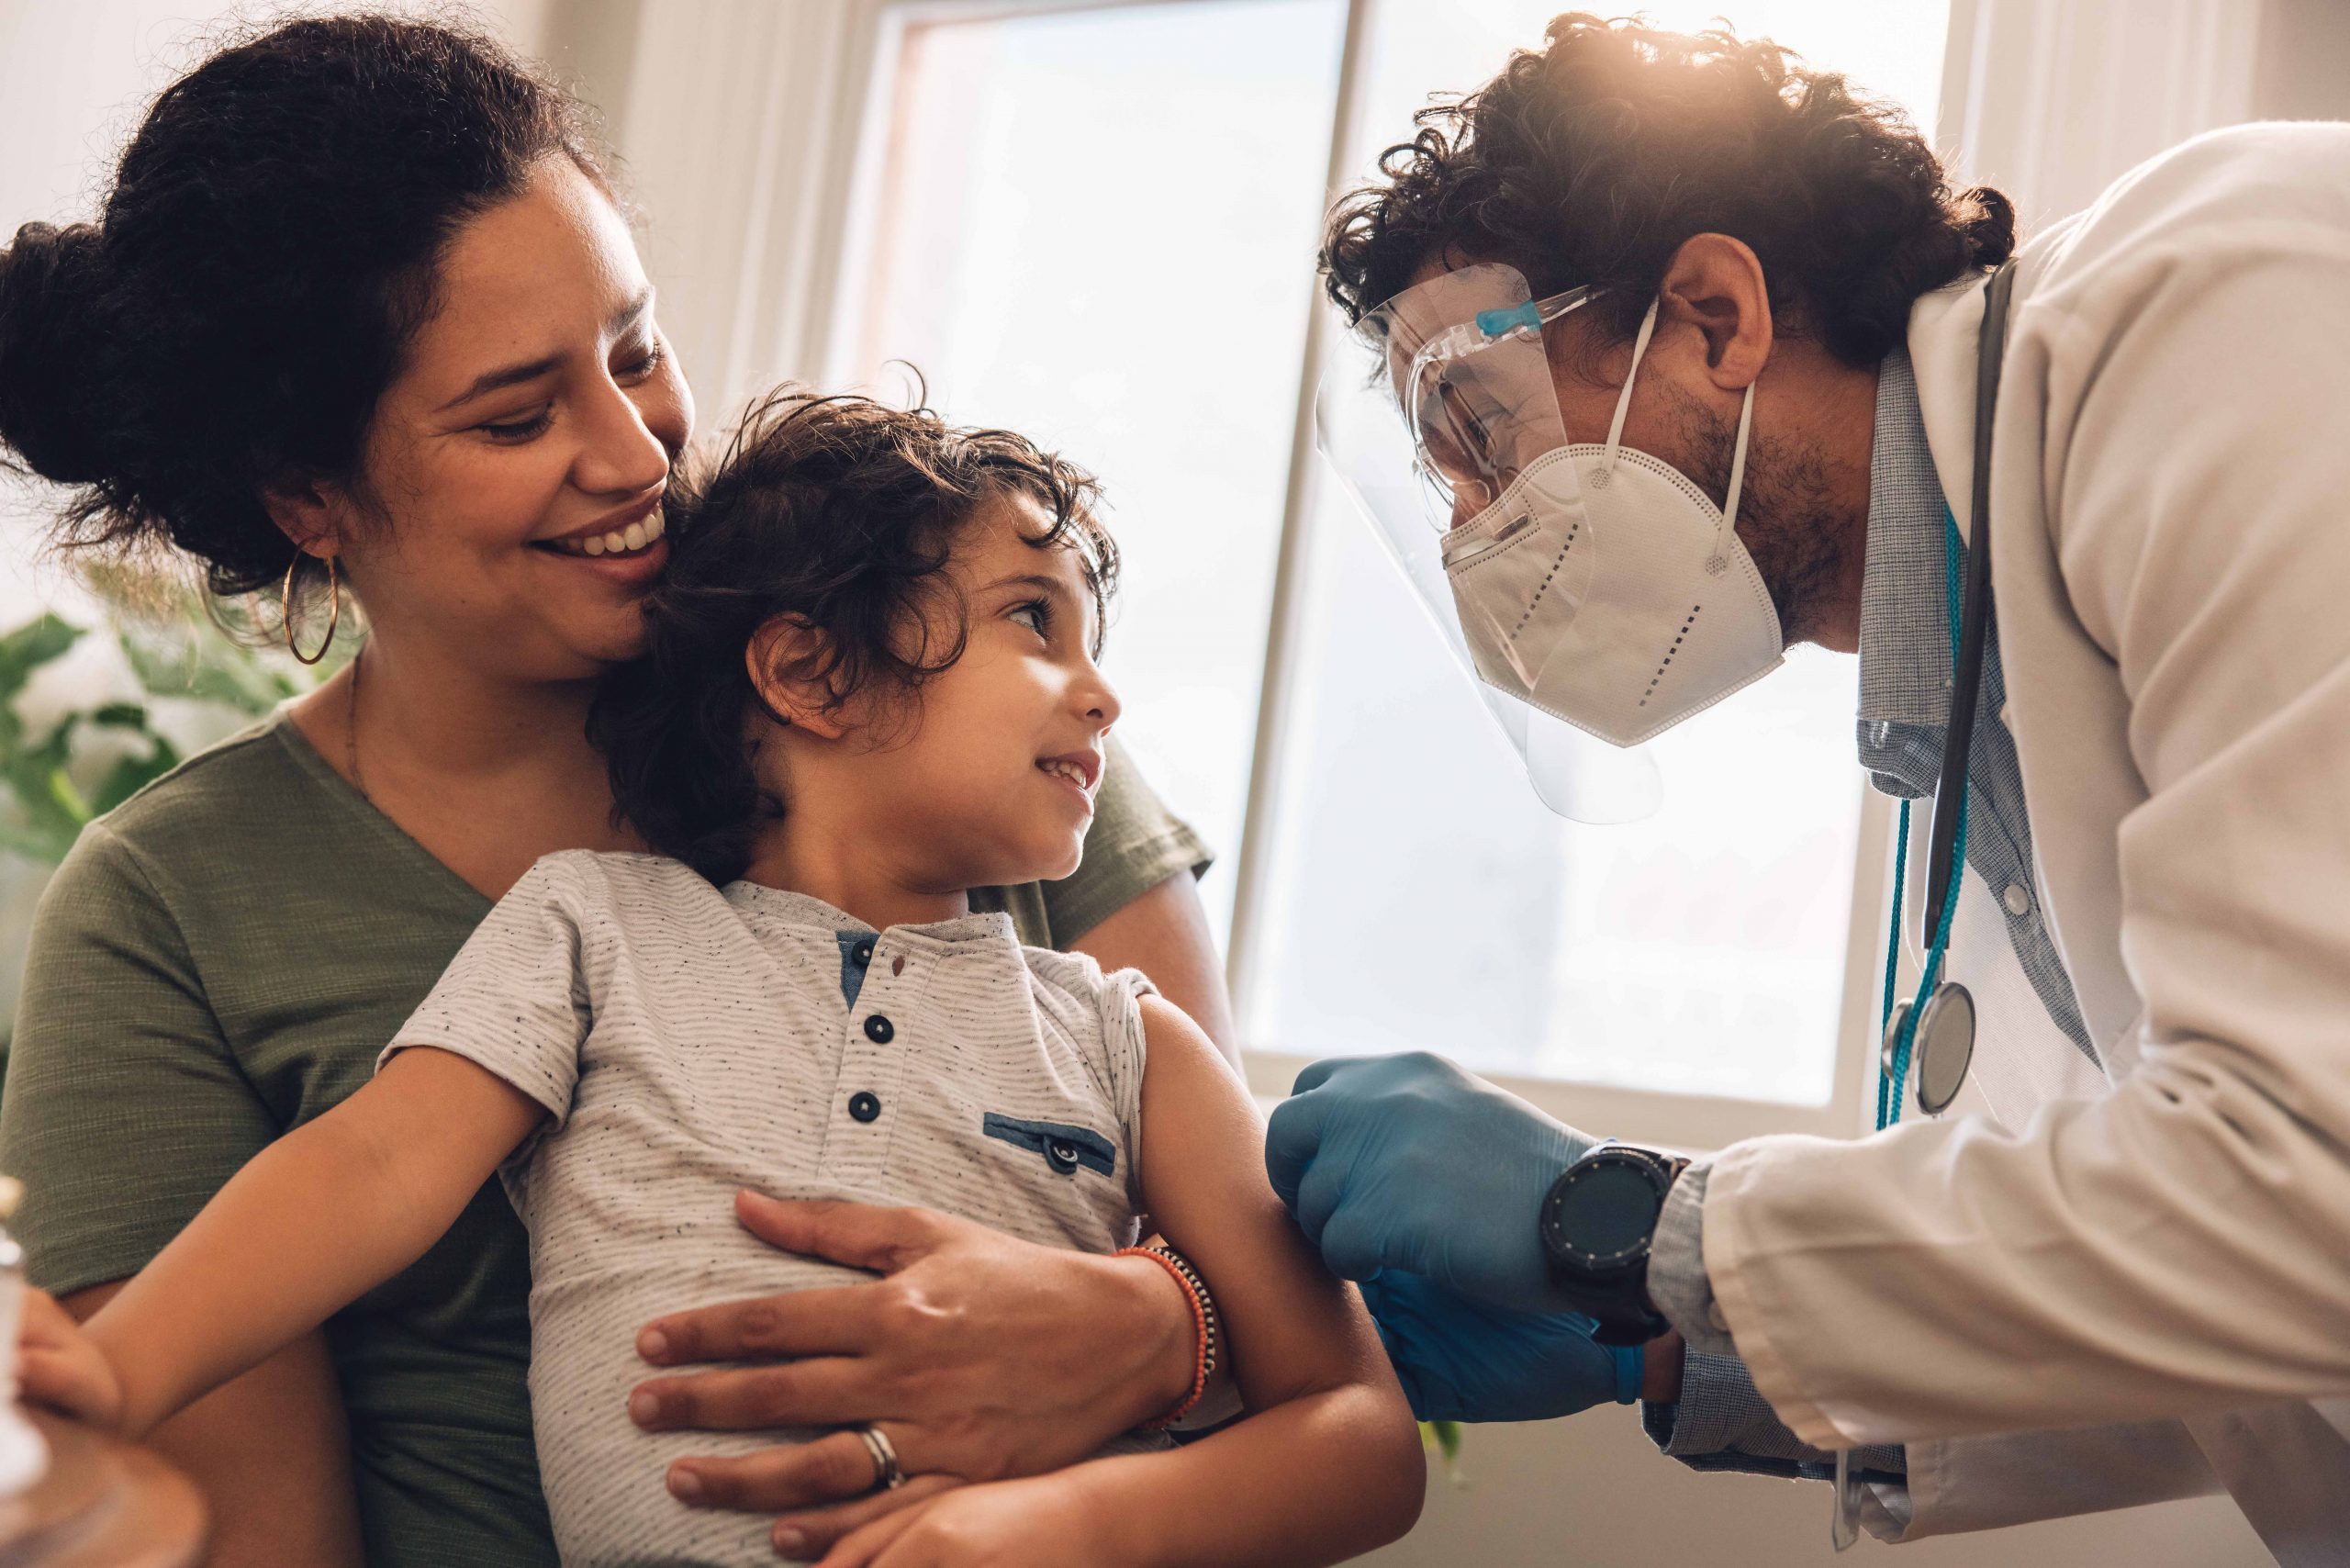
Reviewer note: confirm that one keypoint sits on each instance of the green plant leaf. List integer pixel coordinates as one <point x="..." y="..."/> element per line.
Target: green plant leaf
<point x="28" y="647"/>
<point x="207" y="668"/>
<point x="133" y="774"/>
<point x="167" y="630"/>
<point x="1443" y="1439"/>
<point x="120" y="716"/>
<point x="23" y="651"/>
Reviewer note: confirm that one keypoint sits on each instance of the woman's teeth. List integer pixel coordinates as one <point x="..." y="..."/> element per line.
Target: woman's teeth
<point x="1068" y="770"/>
<point x="620" y="542"/>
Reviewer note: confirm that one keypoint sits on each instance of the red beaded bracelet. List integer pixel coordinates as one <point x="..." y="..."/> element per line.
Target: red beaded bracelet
<point x="1204" y="1319"/>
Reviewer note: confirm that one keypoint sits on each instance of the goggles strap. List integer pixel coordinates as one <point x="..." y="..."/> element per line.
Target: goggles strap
<point x="1624" y="398"/>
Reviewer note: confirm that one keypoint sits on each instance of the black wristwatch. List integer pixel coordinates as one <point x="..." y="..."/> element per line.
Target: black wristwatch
<point x="1597" y="1222"/>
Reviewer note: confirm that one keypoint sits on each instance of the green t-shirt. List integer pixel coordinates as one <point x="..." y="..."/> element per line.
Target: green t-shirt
<point x="220" y="960"/>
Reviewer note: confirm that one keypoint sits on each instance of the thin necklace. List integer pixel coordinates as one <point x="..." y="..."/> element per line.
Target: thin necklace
<point x="351" y="729"/>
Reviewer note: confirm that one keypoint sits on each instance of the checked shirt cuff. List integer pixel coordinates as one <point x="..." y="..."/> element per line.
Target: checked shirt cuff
<point x="1722" y="1422"/>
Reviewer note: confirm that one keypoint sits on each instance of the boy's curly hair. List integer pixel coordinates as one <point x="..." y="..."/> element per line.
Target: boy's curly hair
<point x="1590" y="161"/>
<point x="839" y="511"/>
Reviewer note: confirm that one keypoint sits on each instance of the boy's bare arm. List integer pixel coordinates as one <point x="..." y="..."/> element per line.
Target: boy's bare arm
<point x="323" y="1215"/>
<point x="1329" y="1465"/>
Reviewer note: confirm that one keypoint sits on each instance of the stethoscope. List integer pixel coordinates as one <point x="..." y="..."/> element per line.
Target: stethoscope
<point x="1935" y="1031"/>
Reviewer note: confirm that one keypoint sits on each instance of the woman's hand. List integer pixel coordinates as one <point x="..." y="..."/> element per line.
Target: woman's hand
<point x="1037" y="1523"/>
<point x="980" y="1356"/>
<point x="60" y="1366"/>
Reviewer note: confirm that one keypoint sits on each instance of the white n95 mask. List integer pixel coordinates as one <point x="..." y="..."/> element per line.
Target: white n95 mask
<point x="1587" y="584"/>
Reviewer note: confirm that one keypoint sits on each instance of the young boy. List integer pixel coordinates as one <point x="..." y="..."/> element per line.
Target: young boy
<point x="871" y="686"/>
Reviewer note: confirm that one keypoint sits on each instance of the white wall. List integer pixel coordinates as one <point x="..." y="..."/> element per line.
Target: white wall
<point x="75" y="76"/>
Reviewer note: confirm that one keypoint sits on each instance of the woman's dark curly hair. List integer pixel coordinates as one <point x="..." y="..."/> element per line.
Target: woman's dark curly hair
<point x="841" y="513"/>
<point x="1590" y="161"/>
<point x="264" y="254"/>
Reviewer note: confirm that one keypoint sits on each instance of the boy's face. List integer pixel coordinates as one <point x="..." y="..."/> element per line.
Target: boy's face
<point x="988" y="776"/>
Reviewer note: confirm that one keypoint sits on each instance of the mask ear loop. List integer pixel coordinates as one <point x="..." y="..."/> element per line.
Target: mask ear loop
<point x="1624" y="398"/>
<point x="1717" y="565"/>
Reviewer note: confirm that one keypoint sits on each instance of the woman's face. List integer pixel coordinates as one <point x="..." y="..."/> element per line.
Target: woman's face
<point x="515" y="467"/>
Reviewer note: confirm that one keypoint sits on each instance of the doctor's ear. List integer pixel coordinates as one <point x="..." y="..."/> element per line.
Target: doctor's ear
<point x="1714" y="283"/>
<point x="791" y="668"/>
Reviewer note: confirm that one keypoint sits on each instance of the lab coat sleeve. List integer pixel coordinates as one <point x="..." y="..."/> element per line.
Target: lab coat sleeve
<point x="1939" y="1488"/>
<point x="2180" y="1245"/>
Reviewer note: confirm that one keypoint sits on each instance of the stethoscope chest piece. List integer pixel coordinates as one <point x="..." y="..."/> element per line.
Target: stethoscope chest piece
<point x="1943" y="1049"/>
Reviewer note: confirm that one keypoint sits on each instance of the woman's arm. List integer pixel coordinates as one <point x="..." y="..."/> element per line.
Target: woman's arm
<point x="125" y="1110"/>
<point x="1165" y="934"/>
<point x="1327" y="1465"/>
<point x="323" y="1215"/>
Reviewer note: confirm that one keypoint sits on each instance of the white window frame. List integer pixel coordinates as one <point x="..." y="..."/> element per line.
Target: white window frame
<point x="799" y="204"/>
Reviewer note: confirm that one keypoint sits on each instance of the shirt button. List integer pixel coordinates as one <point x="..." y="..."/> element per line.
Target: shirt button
<point x="861" y="955"/>
<point x="864" y="1107"/>
<point x="2017" y="900"/>
<point x="880" y="1030"/>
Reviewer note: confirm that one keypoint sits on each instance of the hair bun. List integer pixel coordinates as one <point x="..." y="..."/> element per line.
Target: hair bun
<point x="49" y="289"/>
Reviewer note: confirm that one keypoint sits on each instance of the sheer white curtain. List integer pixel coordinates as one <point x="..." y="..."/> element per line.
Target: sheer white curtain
<point x="2051" y="100"/>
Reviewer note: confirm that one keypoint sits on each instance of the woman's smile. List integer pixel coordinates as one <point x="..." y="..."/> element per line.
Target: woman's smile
<point x="626" y="547"/>
<point x="622" y="532"/>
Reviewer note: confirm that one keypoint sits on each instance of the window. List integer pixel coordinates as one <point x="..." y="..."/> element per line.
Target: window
<point x="1095" y="227"/>
<point x="1094" y="223"/>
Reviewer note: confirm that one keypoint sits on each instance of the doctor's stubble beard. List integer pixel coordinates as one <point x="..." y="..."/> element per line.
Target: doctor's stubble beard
<point x="1788" y="515"/>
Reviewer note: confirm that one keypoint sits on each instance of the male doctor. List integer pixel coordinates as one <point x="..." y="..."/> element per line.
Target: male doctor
<point x="1687" y="343"/>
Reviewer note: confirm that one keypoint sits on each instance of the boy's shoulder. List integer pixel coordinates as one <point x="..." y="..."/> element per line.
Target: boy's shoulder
<point x="1079" y="977"/>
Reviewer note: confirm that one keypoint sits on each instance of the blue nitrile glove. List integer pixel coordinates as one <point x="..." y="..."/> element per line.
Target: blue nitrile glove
<point x="1460" y="1362"/>
<point x="1407" y="1162"/>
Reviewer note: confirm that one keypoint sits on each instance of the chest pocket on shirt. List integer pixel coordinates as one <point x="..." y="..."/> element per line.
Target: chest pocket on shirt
<point x="1063" y="1147"/>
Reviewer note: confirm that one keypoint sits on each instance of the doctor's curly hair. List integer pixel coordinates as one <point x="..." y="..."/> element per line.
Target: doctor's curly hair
<point x="1591" y="160"/>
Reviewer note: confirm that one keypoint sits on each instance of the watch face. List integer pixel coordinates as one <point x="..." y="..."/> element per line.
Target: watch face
<point x="1608" y="1211"/>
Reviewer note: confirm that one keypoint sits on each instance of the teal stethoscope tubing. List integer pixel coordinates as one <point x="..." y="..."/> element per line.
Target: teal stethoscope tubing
<point x="1957" y="740"/>
<point x="1970" y="635"/>
<point x="1946" y="846"/>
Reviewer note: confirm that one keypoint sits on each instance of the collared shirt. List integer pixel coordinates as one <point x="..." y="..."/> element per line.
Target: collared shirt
<point x="1906" y="687"/>
<point x="1722" y="1422"/>
<point x="689" y="1042"/>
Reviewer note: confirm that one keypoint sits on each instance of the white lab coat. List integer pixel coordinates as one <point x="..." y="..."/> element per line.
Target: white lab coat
<point x="2166" y="1244"/>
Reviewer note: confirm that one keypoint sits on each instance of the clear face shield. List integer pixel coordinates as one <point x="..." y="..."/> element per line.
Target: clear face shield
<point x="1595" y="592"/>
<point x="1455" y="450"/>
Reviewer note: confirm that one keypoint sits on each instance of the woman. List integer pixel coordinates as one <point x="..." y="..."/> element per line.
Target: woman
<point x="361" y="318"/>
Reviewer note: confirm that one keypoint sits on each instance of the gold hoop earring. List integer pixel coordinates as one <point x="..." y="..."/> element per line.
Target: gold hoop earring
<point x="285" y="609"/>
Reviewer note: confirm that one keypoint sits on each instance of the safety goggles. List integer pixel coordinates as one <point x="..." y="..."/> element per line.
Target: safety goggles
<point x="1450" y="427"/>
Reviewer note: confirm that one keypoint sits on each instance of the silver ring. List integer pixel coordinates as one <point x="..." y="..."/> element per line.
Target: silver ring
<point x="887" y="1475"/>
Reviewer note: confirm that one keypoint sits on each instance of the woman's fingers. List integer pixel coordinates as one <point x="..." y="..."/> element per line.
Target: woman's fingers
<point x="860" y="1236"/>
<point x="776" y="1480"/>
<point x="827" y="1391"/>
<point x="812" y="1533"/>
